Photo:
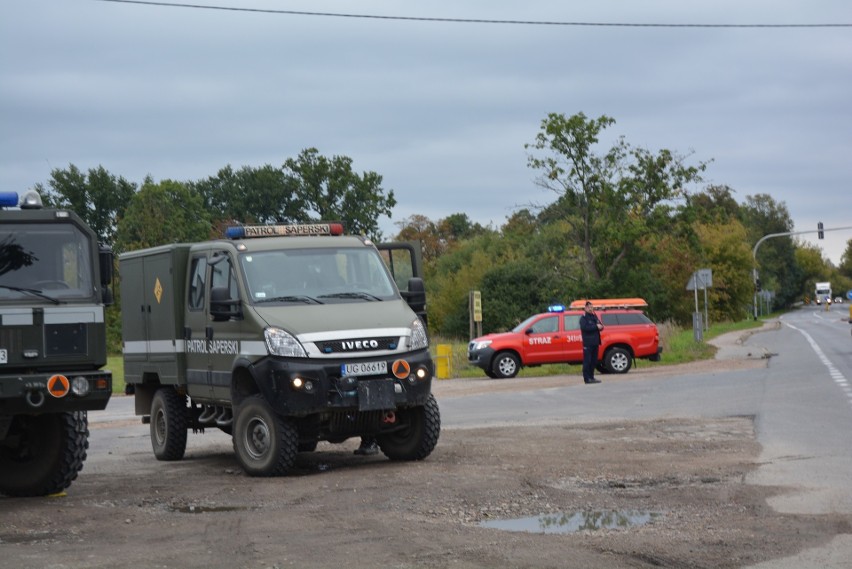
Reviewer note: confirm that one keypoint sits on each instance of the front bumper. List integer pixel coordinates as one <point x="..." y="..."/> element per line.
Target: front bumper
<point x="298" y="388"/>
<point x="481" y="357"/>
<point x="29" y="394"/>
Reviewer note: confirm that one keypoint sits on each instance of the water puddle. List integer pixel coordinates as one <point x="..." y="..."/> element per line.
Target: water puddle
<point x="574" y="522"/>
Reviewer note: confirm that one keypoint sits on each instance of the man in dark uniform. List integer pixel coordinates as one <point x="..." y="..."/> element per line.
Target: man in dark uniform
<point x="590" y="327"/>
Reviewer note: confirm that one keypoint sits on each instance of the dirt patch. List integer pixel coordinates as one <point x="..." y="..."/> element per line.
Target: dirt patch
<point x="336" y="509"/>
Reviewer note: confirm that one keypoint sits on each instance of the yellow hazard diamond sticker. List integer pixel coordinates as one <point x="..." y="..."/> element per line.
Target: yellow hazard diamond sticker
<point x="158" y="290"/>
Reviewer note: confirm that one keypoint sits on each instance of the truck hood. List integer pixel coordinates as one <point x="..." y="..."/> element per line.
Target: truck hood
<point x="390" y="317"/>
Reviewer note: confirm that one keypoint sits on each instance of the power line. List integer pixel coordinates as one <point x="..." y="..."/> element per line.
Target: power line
<point x="470" y="20"/>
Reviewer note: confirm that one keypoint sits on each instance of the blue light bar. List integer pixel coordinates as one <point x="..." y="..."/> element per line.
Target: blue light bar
<point x="556" y="308"/>
<point x="8" y="199"/>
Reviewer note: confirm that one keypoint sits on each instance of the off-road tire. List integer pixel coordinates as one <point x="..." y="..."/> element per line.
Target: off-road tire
<point x="505" y="365"/>
<point x="265" y="443"/>
<point x="617" y="360"/>
<point x="169" y="423"/>
<point x="421" y="427"/>
<point x="47" y="453"/>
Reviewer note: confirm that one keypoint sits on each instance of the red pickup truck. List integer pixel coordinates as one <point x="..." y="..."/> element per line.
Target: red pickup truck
<point x="554" y="337"/>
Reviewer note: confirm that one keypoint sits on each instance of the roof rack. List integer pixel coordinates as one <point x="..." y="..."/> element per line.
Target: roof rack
<point x="610" y="303"/>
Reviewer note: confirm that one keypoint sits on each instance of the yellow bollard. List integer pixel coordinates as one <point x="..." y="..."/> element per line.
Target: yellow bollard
<point x="443" y="361"/>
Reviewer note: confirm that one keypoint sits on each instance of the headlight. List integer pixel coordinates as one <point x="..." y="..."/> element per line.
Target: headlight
<point x="281" y="343"/>
<point x="419" y="340"/>
<point x="481" y="344"/>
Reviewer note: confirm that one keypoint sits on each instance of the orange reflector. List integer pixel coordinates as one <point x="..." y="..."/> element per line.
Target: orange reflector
<point x="401" y="369"/>
<point x="100" y="383"/>
<point x="58" y="386"/>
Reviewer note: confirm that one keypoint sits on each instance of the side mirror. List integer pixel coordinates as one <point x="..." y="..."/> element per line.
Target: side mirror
<point x="106" y="262"/>
<point x="222" y="306"/>
<point x="415" y="296"/>
<point x="106" y="266"/>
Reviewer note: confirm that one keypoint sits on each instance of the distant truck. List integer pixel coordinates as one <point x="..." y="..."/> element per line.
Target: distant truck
<point x="822" y="293"/>
<point x="282" y="336"/>
<point x="54" y="285"/>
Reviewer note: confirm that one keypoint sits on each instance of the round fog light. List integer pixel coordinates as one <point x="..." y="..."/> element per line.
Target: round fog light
<point x="80" y="386"/>
<point x="298" y="383"/>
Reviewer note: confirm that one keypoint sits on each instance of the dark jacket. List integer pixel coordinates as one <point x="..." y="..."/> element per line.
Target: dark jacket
<point x="589" y="329"/>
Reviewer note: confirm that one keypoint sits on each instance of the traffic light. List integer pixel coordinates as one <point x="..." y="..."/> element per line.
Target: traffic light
<point x="819" y="230"/>
<point x="757" y="285"/>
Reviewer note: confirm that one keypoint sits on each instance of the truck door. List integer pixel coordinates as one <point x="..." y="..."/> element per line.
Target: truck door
<point x="404" y="263"/>
<point x="223" y="334"/>
<point x="573" y="338"/>
<point x="198" y="373"/>
<point x="544" y="342"/>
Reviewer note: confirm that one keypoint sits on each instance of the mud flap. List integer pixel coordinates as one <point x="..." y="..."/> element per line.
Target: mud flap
<point x="376" y="395"/>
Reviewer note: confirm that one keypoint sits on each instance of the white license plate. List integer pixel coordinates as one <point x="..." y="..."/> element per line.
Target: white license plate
<point x="4" y="358"/>
<point x="364" y="368"/>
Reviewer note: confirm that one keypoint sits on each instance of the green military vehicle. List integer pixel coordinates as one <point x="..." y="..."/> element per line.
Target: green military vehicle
<point x="282" y="336"/>
<point x="54" y="285"/>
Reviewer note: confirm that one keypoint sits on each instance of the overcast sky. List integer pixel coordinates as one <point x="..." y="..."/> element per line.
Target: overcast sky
<point x="441" y="110"/>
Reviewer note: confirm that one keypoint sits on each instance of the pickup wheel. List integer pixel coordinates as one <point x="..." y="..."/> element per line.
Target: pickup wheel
<point x="42" y="454"/>
<point x="168" y="424"/>
<point x="265" y="443"/>
<point x="617" y="360"/>
<point x="417" y="435"/>
<point x="505" y="365"/>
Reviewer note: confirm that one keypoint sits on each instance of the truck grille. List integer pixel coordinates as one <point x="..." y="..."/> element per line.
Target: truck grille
<point x="358" y="345"/>
<point x="65" y="340"/>
<point x="348" y="422"/>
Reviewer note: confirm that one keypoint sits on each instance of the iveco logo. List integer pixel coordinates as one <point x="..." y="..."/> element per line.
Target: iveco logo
<point x="360" y="344"/>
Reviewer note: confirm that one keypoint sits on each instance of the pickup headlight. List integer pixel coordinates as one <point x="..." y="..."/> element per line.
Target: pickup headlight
<point x="480" y="345"/>
<point x="419" y="339"/>
<point x="281" y="343"/>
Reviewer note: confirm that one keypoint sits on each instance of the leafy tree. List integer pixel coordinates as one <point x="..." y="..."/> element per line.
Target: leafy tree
<point x="776" y="260"/>
<point x="251" y="195"/>
<point x="715" y="204"/>
<point x="610" y="200"/>
<point x="725" y="250"/>
<point x="420" y="228"/>
<point x="845" y="267"/>
<point x="455" y="275"/>
<point x="814" y="267"/>
<point x="162" y="213"/>
<point x="332" y="191"/>
<point x="97" y="196"/>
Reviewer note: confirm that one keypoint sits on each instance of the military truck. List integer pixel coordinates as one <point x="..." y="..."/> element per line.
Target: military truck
<point x="54" y="285"/>
<point x="282" y="336"/>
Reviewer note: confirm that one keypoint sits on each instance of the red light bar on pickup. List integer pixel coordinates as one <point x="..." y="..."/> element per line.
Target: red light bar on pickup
<point x="289" y="230"/>
<point x="605" y="303"/>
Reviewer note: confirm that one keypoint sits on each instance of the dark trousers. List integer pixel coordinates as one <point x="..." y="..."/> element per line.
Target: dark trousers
<point x="590" y="362"/>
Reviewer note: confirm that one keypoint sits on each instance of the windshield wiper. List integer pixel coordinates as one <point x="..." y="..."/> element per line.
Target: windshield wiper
<point x="290" y="298"/>
<point x="32" y="291"/>
<point x="361" y="295"/>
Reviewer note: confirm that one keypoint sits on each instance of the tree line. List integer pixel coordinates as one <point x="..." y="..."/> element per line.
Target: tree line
<point x="623" y="222"/>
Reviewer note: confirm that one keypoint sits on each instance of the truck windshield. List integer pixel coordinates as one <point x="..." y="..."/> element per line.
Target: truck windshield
<point x="52" y="259"/>
<point x="327" y="275"/>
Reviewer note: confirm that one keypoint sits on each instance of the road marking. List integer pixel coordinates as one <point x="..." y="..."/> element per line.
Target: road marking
<point x="835" y="373"/>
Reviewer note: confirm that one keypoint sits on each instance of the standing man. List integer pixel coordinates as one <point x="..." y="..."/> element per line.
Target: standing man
<point x="591" y="328"/>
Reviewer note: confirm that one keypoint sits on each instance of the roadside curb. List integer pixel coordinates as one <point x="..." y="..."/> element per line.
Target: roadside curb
<point x="731" y="346"/>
